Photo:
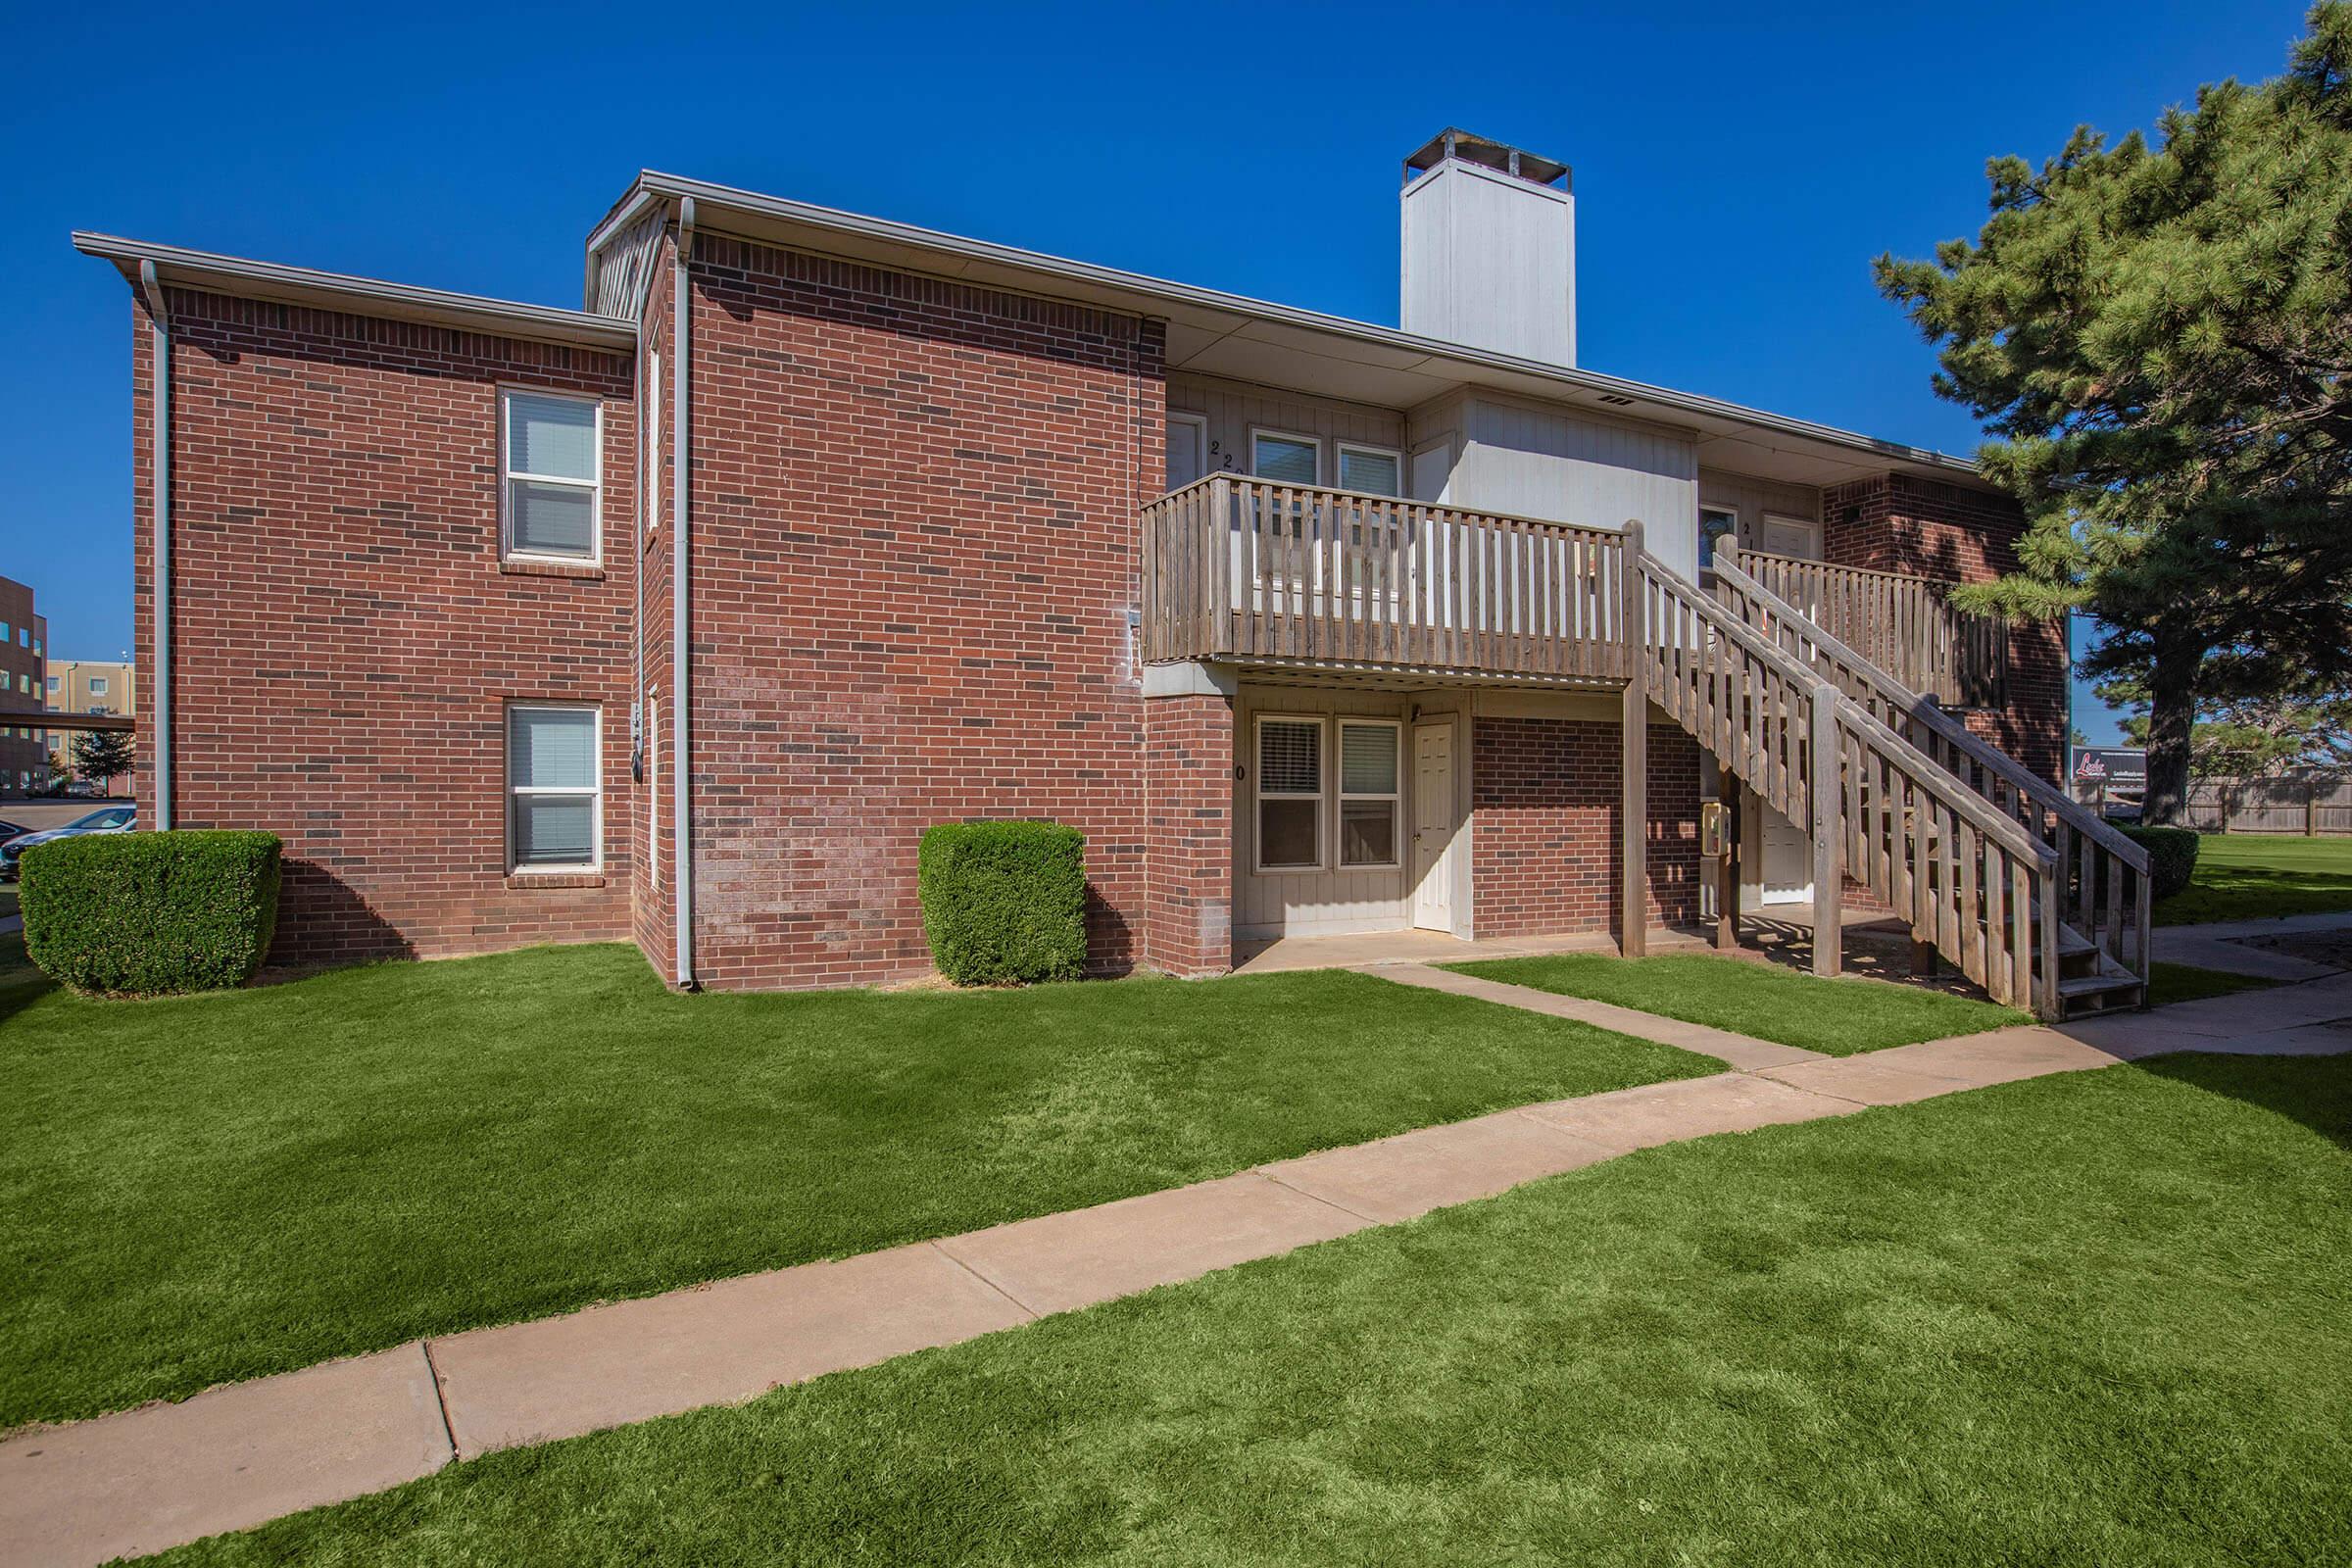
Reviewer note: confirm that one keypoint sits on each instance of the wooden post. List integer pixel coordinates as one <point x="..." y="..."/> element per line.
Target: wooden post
<point x="2311" y="809"/>
<point x="1632" y="913"/>
<point x="1828" y="892"/>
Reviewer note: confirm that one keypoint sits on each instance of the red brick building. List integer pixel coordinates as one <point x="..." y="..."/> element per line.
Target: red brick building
<point x="678" y="617"/>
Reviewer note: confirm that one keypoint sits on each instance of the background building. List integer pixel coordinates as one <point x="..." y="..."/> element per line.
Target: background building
<point x="88" y="686"/>
<point x="24" y="644"/>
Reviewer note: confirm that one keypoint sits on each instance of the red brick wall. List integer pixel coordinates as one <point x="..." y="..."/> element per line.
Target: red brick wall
<point x="1899" y="522"/>
<point x="913" y="558"/>
<point x="345" y="638"/>
<point x="1187" y="845"/>
<point x="1544" y="841"/>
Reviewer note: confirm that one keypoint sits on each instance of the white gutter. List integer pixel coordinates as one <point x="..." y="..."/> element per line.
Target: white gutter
<point x="158" y="322"/>
<point x="681" y="694"/>
<point x="245" y="278"/>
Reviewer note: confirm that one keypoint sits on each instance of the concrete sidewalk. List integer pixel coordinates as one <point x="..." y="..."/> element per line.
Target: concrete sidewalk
<point x="2224" y="945"/>
<point x="235" y="1456"/>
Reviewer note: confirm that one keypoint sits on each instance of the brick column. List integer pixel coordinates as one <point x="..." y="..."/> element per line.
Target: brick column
<point x="1188" y="844"/>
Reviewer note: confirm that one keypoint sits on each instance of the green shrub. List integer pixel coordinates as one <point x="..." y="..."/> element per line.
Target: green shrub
<point x="2172" y="856"/>
<point x="1004" y="902"/>
<point x="142" y="914"/>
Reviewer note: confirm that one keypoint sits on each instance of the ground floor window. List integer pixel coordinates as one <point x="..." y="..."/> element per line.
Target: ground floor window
<point x="1369" y="792"/>
<point x="555" y="803"/>
<point x="1289" y="794"/>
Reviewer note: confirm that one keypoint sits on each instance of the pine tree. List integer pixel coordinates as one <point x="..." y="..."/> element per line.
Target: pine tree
<point x="2159" y="339"/>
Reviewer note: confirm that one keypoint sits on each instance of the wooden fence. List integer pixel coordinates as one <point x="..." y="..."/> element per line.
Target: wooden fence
<point x="2314" y="804"/>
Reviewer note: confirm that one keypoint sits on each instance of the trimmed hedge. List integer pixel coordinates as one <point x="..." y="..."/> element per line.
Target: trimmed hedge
<point x="2172" y="856"/>
<point x="144" y="914"/>
<point x="1004" y="903"/>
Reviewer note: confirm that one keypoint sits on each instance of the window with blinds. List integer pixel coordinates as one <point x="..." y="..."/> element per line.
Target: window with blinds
<point x="555" y="806"/>
<point x="1286" y="459"/>
<point x="1373" y="470"/>
<point x="550" y="461"/>
<point x="1369" y="792"/>
<point x="1289" y="794"/>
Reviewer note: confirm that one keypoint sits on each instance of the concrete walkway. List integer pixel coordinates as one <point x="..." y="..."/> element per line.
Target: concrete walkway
<point x="2224" y="945"/>
<point x="238" y="1455"/>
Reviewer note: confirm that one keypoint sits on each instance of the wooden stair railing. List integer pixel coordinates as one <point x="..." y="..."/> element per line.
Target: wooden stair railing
<point x="2104" y="891"/>
<point x="1968" y="877"/>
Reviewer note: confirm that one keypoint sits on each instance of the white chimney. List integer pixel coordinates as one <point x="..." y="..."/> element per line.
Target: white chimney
<point x="1490" y="248"/>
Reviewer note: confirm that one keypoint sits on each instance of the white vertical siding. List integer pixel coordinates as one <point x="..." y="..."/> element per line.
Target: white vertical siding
<point x="1752" y="498"/>
<point x="1537" y="462"/>
<point x="1328" y="901"/>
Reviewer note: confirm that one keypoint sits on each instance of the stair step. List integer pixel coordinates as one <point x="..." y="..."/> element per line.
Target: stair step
<point x="2096" y="985"/>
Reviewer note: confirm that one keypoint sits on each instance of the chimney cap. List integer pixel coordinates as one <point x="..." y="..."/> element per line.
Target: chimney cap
<point x="1486" y="153"/>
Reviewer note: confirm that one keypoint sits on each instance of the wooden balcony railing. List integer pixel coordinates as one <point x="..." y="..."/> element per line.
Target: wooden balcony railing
<point x="1247" y="568"/>
<point x="1905" y="625"/>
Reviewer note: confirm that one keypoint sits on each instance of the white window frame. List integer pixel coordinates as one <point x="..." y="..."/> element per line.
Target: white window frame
<point x="595" y="863"/>
<point x="649" y="427"/>
<point x="1733" y="512"/>
<point x="1258" y="793"/>
<point x="1340" y="792"/>
<point x="653" y="790"/>
<point x="98" y="686"/>
<point x="507" y="475"/>
<point x="1339" y="466"/>
<point x="1299" y="436"/>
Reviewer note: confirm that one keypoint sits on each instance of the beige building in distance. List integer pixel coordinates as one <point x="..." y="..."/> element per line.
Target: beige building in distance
<point x="87" y="686"/>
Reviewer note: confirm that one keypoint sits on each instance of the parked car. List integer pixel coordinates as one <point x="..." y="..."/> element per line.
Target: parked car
<point x="107" y="819"/>
<point x="9" y="830"/>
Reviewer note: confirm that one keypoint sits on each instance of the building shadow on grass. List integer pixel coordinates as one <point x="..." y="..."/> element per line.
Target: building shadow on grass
<point x="2315" y="1090"/>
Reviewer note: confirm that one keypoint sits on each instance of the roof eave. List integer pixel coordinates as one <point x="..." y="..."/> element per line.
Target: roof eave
<point x="245" y="278"/>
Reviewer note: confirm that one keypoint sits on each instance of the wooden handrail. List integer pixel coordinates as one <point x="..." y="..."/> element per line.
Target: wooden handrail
<point x="1920" y="709"/>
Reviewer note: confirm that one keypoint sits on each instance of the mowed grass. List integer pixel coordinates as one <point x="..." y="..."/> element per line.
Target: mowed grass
<point x="1837" y="1017"/>
<point x="2105" y="1317"/>
<point x="2182" y="982"/>
<point x="2252" y="876"/>
<point x="209" y="1187"/>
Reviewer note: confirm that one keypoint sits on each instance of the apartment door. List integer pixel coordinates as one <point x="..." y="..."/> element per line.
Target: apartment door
<point x="1437" y="823"/>
<point x="1790" y="536"/>
<point x="1787" y="869"/>
<point x="1188" y="457"/>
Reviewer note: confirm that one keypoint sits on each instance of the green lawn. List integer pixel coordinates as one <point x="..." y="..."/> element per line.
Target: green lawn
<point x="2252" y="876"/>
<point x="1837" y="1017"/>
<point x="2100" y="1318"/>
<point x="2181" y="982"/>
<point x="209" y="1187"/>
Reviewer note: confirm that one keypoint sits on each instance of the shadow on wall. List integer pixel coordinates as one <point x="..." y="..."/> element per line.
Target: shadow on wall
<point x="322" y="919"/>
<point x="1109" y="941"/>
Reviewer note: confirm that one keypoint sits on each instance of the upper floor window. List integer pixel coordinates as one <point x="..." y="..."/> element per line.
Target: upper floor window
<point x="1715" y="525"/>
<point x="552" y="455"/>
<point x="97" y="685"/>
<point x="23" y="636"/>
<point x="1373" y="470"/>
<point x="1286" y="459"/>
<point x="52" y="683"/>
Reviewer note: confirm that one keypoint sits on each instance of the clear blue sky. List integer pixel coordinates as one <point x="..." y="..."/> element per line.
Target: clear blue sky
<point x="1736" y="168"/>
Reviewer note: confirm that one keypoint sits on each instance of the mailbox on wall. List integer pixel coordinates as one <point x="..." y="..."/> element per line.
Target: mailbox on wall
<point x="1712" y="839"/>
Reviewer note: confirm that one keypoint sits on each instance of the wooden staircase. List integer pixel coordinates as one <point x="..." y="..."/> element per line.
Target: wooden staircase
<point x="2012" y="882"/>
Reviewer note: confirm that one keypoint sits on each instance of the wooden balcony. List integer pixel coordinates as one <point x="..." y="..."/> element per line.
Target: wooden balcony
<point x="1258" y="572"/>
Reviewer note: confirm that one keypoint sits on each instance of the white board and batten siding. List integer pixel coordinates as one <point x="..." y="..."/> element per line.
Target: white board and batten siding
<point x="1227" y="412"/>
<point x="1528" y="460"/>
<point x="1330" y="901"/>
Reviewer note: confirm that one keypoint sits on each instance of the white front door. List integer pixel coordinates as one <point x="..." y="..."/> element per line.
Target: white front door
<point x="1187" y="449"/>
<point x="1788" y="871"/>
<point x="1790" y="536"/>
<point x="1436" y="825"/>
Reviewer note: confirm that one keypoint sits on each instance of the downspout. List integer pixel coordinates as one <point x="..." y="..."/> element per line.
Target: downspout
<point x="158" y="322"/>
<point x="681" y="695"/>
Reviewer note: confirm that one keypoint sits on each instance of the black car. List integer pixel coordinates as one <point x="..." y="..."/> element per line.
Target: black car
<point x="8" y="830"/>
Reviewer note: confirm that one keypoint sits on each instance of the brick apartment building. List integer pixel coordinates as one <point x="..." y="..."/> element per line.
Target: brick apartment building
<point x="678" y="617"/>
<point x="24" y="653"/>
